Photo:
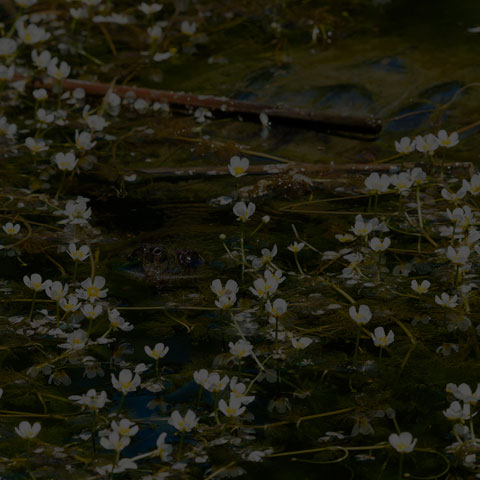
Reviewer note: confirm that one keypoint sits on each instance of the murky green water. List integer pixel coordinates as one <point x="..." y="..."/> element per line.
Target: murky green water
<point x="322" y="411"/>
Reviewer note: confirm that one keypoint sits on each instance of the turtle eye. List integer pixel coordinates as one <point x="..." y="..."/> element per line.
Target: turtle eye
<point x="157" y="251"/>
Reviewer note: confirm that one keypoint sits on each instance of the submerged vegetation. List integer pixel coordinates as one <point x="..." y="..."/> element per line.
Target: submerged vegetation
<point x="177" y="304"/>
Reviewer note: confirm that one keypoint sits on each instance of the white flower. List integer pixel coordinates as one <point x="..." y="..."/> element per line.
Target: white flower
<point x="27" y="431"/>
<point x="114" y="441"/>
<point x="427" y="144"/>
<point x="78" y="254"/>
<point x="127" y="382"/>
<point x="379" y="245"/>
<point x="35" y="145"/>
<point x="91" y="399"/>
<point x="417" y="175"/>
<point x="238" y="166"/>
<point x="83" y="141"/>
<point x="233" y="409"/>
<point x="96" y="123"/>
<point x="44" y="117"/>
<point x="70" y="305"/>
<point x="345" y="237"/>
<point x="76" y="211"/>
<point x="474" y="185"/>
<point x="41" y="60"/>
<point x="161" y="56"/>
<point x="163" y="449"/>
<point x="239" y="391"/>
<point x="405" y="145"/>
<point x="296" y="247"/>
<point x="362" y="228"/>
<point x="240" y="348"/>
<point x="422" y="288"/>
<point x="200" y="113"/>
<point x="11" y="229"/>
<point x="122" y="465"/>
<point x="7" y="129"/>
<point x="8" y="46"/>
<point x="446" y="140"/>
<point x="183" y="424"/>
<point x="58" y="72"/>
<point x="401" y="181"/>
<point x="188" y="28"/>
<point x="40" y="94"/>
<point x="91" y="311"/>
<point x="257" y="455"/>
<point x="150" y="9"/>
<point x="456" y="412"/>
<point x="77" y="340"/>
<point x="159" y="351"/>
<point x="118" y="322"/>
<point x="376" y="183"/>
<point x="266" y="124"/>
<point x="226" y="301"/>
<point x="380" y="339"/>
<point x="215" y="383"/>
<point x="458" y="257"/>
<point x="301" y="343"/>
<point x="56" y="290"/>
<point x="230" y="287"/>
<point x="454" y="196"/>
<point x="32" y="34"/>
<point x="6" y="73"/>
<point x="155" y="32"/>
<point x="65" y="161"/>
<point x="278" y="308"/>
<point x="201" y="377"/>
<point x="34" y="282"/>
<point x="125" y="428"/>
<point x="464" y="392"/>
<point x="79" y="13"/>
<point x="445" y="300"/>
<point x="243" y="212"/>
<point x="93" y="290"/>
<point x="403" y="443"/>
<point x="362" y="316"/>
<point x="264" y="288"/>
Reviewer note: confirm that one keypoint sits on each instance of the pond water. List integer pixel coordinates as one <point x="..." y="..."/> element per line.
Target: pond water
<point x="140" y="364"/>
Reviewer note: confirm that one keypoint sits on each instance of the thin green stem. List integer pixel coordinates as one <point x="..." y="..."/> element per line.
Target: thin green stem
<point x="419" y="209"/>
<point x="60" y="186"/>
<point x="120" y="405"/>
<point x="33" y="305"/>
<point x="75" y="269"/>
<point x="242" y="250"/>
<point x="400" y="467"/>
<point x="94" y="427"/>
<point x="180" y="448"/>
<point x="298" y="263"/>
<point x="357" y="343"/>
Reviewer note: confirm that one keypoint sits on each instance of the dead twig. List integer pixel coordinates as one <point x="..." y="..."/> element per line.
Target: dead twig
<point x="299" y="117"/>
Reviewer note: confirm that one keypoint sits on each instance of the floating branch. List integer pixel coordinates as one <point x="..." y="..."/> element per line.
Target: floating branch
<point x="298" y="117"/>
<point x="327" y="171"/>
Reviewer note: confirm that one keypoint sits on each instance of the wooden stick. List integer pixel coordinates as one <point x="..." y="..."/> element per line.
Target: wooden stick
<point x="329" y="170"/>
<point x="329" y="122"/>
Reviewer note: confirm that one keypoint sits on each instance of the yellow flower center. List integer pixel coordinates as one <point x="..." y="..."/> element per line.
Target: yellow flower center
<point x="93" y="291"/>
